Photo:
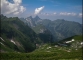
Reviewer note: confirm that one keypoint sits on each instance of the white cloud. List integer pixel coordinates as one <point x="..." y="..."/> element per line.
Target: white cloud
<point x="17" y="1"/>
<point x="63" y="13"/>
<point x="73" y="14"/>
<point x="46" y="14"/>
<point x="38" y="10"/>
<point x="68" y="14"/>
<point x="54" y="13"/>
<point x="50" y="14"/>
<point x="12" y="8"/>
<point x="16" y="13"/>
<point x="80" y="14"/>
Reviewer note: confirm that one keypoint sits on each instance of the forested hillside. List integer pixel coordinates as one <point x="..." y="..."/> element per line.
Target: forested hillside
<point x="16" y="36"/>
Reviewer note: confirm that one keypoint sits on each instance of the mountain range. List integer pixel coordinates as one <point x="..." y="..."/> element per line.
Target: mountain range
<point x="59" y="28"/>
<point x="26" y="34"/>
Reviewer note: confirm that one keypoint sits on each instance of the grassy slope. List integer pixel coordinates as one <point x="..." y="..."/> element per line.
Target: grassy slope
<point x="42" y="54"/>
<point x="76" y="37"/>
<point x="13" y="28"/>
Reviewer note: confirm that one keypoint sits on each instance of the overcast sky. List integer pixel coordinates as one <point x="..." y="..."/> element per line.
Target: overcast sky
<point x="46" y="9"/>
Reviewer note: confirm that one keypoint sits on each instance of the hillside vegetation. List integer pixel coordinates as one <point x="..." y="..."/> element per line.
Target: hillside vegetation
<point x="16" y="36"/>
<point x="50" y="52"/>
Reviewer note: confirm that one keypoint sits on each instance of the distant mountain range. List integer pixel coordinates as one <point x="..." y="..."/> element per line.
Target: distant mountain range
<point x="59" y="28"/>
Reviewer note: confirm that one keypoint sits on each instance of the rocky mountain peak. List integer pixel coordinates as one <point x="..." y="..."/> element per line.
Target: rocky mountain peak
<point x="30" y="17"/>
<point x="37" y="17"/>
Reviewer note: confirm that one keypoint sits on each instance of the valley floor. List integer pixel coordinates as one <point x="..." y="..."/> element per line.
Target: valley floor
<point x="46" y="52"/>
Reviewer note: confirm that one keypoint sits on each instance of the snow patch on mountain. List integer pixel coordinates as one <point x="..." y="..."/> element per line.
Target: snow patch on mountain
<point x="13" y="41"/>
<point x="1" y="38"/>
<point x="70" y="41"/>
<point x="2" y="43"/>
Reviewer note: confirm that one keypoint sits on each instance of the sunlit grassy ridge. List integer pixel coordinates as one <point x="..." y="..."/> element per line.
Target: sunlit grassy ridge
<point x="54" y="53"/>
<point x="76" y="38"/>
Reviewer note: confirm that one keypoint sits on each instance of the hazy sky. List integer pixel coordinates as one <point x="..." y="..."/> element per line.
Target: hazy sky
<point x="46" y="9"/>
